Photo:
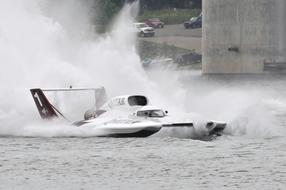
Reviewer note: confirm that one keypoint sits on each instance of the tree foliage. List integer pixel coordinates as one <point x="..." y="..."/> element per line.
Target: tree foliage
<point x="160" y="4"/>
<point x="109" y="8"/>
<point x="106" y="9"/>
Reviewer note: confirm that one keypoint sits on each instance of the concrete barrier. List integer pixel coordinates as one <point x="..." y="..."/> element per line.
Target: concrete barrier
<point x="238" y="36"/>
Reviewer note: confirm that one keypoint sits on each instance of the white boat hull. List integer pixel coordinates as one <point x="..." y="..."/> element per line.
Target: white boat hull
<point x="122" y="128"/>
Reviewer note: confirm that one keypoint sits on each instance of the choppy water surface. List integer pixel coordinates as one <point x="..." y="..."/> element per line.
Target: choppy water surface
<point x="61" y="49"/>
<point x="251" y="155"/>
<point x="153" y="163"/>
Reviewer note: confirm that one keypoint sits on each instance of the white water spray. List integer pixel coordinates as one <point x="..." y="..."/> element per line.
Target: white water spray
<point x="48" y="44"/>
<point x="37" y="50"/>
<point x="44" y="46"/>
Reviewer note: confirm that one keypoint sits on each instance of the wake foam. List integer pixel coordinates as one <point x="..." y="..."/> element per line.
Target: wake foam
<point x="49" y="45"/>
<point x="40" y="47"/>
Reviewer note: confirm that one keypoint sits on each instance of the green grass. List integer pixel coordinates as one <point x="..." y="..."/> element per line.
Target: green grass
<point x="153" y="50"/>
<point x="170" y="16"/>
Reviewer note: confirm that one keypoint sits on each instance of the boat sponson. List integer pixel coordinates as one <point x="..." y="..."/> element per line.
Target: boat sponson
<point x="148" y="131"/>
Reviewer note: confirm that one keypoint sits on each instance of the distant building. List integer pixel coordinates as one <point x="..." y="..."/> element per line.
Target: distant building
<point x="243" y="36"/>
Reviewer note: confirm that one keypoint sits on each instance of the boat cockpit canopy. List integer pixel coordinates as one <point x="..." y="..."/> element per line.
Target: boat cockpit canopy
<point x="151" y="113"/>
<point x="137" y="101"/>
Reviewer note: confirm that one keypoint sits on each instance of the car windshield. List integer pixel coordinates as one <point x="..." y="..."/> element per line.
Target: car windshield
<point x="151" y="113"/>
<point x="143" y="25"/>
<point x="155" y="20"/>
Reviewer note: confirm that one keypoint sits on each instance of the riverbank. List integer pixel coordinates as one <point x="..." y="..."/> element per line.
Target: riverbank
<point x="170" y="41"/>
<point x="169" y="16"/>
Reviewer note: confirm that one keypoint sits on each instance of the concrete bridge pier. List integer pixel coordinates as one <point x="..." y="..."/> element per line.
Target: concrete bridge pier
<point x="240" y="36"/>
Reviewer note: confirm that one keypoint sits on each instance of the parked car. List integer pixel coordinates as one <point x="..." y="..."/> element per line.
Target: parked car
<point x="194" y="22"/>
<point x="155" y="23"/>
<point x="144" y="30"/>
<point x="188" y="58"/>
<point x="156" y="62"/>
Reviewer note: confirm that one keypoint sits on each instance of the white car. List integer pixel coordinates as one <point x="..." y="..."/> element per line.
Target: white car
<point x="144" y="30"/>
<point x="156" y="62"/>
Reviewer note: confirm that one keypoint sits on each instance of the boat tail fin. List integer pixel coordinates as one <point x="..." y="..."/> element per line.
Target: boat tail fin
<point x="100" y="97"/>
<point x="45" y="108"/>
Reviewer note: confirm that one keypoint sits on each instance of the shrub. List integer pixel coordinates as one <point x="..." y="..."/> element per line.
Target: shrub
<point x="170" y="16"/>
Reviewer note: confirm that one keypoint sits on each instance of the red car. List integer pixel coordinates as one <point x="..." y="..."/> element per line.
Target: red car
<point x="155" y="23"/>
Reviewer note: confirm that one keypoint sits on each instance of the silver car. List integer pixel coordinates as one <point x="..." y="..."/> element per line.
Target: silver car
<point x="144" y="30"/>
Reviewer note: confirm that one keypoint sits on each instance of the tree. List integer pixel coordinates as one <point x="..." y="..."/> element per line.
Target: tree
<point x="159" y="4"/>
<point x="107" y="9"/>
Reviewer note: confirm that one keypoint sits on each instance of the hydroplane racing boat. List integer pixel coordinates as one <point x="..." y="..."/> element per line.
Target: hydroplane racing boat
<point x="122" y="116"/>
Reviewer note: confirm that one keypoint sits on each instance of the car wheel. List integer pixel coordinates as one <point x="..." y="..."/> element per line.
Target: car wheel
<point x="142" y="34"/>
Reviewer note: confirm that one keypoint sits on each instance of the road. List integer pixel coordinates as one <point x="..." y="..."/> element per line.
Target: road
<point x="178" y="30"/>
<point x="178" y="36"/>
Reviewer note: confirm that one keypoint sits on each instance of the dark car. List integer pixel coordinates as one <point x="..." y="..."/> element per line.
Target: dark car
<point x="194" y="22"/>
<point x="188" y="58"/>
<point x="155" y="23"/>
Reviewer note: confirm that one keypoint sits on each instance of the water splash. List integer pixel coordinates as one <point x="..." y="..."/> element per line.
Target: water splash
<point x="57" y="47"/>
<point x="254" y="108"/>
<point x="41" y="47"/>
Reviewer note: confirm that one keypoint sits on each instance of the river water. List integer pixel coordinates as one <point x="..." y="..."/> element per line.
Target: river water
<point x="150" y="163"/>
<point x="52" y="44"/>
<point x="252" y="153"/>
